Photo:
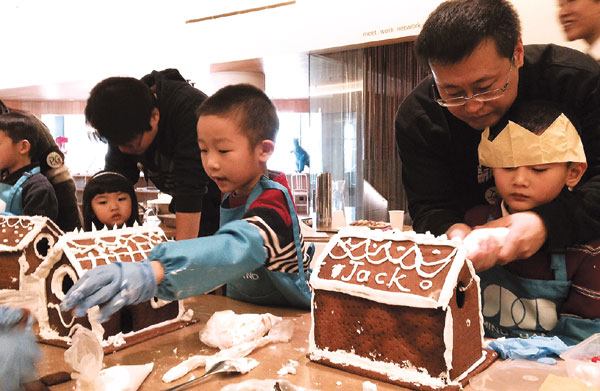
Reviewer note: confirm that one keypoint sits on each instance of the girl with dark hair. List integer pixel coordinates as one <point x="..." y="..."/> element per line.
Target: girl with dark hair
<point x="109" y="199"/>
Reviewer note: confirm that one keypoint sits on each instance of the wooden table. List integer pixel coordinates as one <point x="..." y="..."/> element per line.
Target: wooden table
<point x="171" y="349"/>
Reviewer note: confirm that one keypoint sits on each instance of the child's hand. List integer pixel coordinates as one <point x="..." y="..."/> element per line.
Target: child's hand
<point x="10" y="317"/>
<point x="111" y="287"/>
<point x="18" y="347"/>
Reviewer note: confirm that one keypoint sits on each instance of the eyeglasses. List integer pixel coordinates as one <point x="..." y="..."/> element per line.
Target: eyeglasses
<point x="481" y="97"/>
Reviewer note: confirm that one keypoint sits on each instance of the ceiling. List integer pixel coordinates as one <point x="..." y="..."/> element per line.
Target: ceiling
<point x="57" y="50"/>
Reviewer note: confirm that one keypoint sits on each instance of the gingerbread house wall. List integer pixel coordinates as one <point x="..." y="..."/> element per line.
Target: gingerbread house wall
<point x="19" y="263"/>
<point x="10" y="270"/>
<point x="467" y="327"/>
<point x="379" y="332"/>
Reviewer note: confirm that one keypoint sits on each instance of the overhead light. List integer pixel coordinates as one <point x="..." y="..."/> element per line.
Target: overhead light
<point x="239" y="12"/>
<point x="334" y="89"/>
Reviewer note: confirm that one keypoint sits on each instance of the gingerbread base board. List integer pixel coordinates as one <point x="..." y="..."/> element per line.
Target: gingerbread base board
<point x="490" y="357"/>
<point x="131" y="340"/>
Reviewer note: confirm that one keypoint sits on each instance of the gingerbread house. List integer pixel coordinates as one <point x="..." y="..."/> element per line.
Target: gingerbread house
<point x="77" y="252"/>
<point x="399" y="307"/>
<point x="25" y="242"/>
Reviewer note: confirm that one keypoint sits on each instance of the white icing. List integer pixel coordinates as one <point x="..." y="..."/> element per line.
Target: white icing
<point x="336" y="270"/>
<point x="448" y="340"/>
<point x="368" y="386"/>
<point x="156" y="303"/>
<point x="56" y="285"/>
<point x="405" y="372"/>
<point x="38" y="238"/>
<point x="57" y="308"/>
<point x="32" y="225"/>
<point x="372" y="245"/>
<point x="288" y="369"/>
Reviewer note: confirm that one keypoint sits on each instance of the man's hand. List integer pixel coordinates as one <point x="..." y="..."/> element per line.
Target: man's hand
<point x="483" y="246"/>
<point x="526" y="236"/>
<point x="458" y="230"/>
<point x="111" y="287"/>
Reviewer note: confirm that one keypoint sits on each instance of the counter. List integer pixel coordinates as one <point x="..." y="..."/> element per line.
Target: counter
<point x="172" y="348"/>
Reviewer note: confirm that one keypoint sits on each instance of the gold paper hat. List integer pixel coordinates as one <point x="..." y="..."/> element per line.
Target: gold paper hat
<point x="516" y="146"/>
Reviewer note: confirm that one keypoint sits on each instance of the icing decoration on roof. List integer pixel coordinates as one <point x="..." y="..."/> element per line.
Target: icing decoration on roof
<point x="392" y="267"/>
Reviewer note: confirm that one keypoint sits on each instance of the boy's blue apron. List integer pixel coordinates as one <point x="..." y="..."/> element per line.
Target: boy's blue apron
<point x="514" y="306"/>
<point x="263" y="286"/>
<point x="11" y="196"/>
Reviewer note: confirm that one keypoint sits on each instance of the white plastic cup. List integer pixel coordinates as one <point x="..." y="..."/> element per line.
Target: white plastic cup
<point x="397" y="219"/>
<point x="338" y="219"/>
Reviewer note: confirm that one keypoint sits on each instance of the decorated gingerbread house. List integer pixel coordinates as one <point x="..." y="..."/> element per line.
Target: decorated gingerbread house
<point x="77" y="252"/>
<point x="25" y="242"/>
<point x="399" y="307"/>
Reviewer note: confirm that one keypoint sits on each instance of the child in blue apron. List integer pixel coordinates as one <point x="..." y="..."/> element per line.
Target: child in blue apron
<point x="109" y="199"/>
<point x="23" y="189"/>
<point x="536" y="156"/>
<point x="257" y="252"/>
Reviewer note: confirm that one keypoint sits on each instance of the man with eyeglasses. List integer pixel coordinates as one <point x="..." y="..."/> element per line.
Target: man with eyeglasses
<point x="479" y="68"/>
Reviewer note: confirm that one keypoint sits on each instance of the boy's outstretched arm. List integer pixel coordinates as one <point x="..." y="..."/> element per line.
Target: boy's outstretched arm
<point x="184" y="269"/>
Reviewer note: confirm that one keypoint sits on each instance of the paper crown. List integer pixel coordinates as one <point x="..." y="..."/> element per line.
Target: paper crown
<point x="516" y="146"/>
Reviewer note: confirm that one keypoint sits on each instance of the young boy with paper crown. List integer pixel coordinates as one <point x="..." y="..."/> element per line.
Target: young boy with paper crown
<point x="257" y="251"/>
<point x="536" y="156"/>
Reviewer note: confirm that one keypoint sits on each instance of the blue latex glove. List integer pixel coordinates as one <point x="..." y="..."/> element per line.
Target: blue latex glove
<point x="9" y="317"/>
<point x="18" y="351"/>
<point x="531" y="348"/>
<point x="111" y="287"/>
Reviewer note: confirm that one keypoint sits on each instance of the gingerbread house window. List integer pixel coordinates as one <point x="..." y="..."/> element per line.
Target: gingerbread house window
<point x="460" y="294"/>
<point x="42" y="244"/>
<point x="62" y="280"/>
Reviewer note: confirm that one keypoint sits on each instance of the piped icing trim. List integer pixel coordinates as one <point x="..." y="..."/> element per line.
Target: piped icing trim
<point x="373" y="242"/>
<point x="407" y="373"/>
<point x="25" y="228"/>
<point x="448" y="340"/>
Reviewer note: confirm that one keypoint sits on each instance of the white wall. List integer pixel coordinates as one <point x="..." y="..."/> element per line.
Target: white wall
<point x="540" y="23"/>
<point x="69" y="40"/>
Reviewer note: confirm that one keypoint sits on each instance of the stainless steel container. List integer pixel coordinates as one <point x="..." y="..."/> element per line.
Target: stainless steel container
<point x="323" y="201"/>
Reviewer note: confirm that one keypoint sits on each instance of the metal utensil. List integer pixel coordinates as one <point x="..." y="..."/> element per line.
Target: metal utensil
<point x="221" y="366"/>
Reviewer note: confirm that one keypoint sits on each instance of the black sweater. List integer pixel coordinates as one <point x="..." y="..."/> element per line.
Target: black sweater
<point x="173" y="162"/>
<point x="440" y="167"/>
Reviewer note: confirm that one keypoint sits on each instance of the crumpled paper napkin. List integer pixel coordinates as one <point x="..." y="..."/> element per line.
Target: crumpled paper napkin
<point x="533" y="348"/>
<point x="278" y="330"/>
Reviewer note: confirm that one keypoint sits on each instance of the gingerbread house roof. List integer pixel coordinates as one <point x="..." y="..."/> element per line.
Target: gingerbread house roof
<point x="86" y="250"/>
<point x="391" y="267"/>
<point x="17" y="232"/>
